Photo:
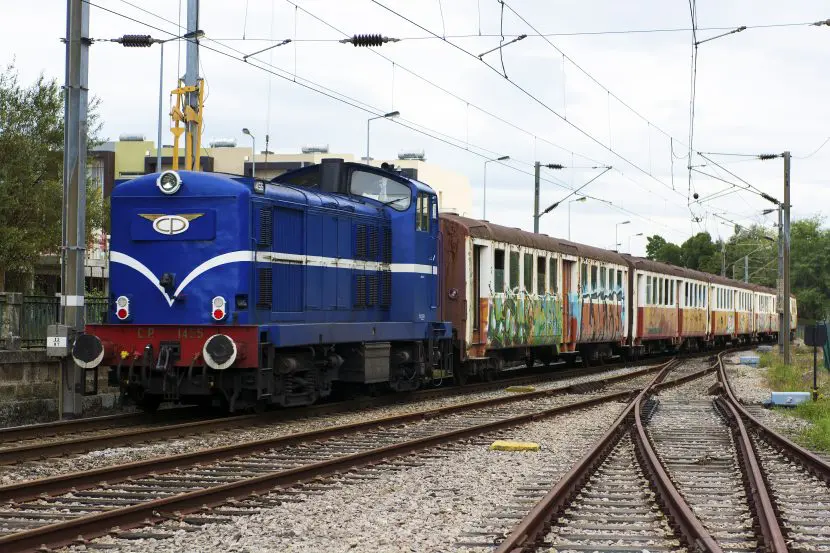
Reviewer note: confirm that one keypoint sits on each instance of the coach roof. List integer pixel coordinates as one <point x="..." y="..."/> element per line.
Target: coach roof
<point x="490" y="231"/>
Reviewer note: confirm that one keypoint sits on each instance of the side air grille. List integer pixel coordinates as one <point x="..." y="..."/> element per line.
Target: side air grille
<point x="265" y="297"/>
<point x="266" y="228"/>
<point x="373" y="243"/>
<point x="387" y="245"/>
<point x="360" y="291"/>
<point x="373" y="290"/>
<point x="386" y="288"/>
<point x="360" y="242"/>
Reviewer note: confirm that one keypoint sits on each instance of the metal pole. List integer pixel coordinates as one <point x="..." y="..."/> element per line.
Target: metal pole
<point x="723" y="259"/>
<point x="161" y="108"/>
<point x="538" y="167"/>
<point x="484" y="211"/>
<point x="253" y="156"/>
<point x="786" y="257"/>
<point x="191" y="78"/>
<point x="74" y="197"/>
<point x="367" y="141"/>
<point x="569" y="219"/>
<point x="780" y="283"/>
<point x="746" y="268"/>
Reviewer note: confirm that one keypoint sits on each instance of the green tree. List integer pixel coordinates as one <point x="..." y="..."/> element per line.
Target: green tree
<point x="659" y="249"/>
<point x="31" y="172"/>
<point x="699" y="251"/>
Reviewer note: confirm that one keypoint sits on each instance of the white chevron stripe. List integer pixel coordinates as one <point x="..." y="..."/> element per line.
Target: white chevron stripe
<point x="242" y="256"/>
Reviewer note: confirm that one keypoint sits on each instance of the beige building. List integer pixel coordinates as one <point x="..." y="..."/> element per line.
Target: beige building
<point x="135" y="156"/>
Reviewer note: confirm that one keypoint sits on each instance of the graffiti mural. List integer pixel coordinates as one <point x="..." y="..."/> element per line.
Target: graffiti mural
<point x="723" y="322"/>
<point x="694" y="322"/>
<point x="766" y="322"/>
<point x="743" y="323"/>
<point x="600" y="314"/>
<point x="659" y="322"/>
<point x="520" y="319"/>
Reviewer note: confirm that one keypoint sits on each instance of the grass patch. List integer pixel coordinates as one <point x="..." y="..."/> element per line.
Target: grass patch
<point x="798" y="377"/>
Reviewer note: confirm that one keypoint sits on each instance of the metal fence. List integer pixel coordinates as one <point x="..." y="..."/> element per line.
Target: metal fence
<point x="28" y="319"/>
<point x="36" y="314"/>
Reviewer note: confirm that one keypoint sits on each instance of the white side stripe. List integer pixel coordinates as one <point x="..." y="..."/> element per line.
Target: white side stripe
<point x="242" y="256"/>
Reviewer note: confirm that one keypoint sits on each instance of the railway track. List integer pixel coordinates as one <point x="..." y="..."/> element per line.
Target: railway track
<point x="55" y="511"/>
<point x="47" y="440"/>
<point x="723" y="480"/>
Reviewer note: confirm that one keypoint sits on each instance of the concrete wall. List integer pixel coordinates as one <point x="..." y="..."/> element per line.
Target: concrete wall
<point x="29" y="389"/>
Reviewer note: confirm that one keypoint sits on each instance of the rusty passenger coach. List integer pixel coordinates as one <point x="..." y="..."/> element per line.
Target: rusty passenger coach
<point x="516" y="297"/>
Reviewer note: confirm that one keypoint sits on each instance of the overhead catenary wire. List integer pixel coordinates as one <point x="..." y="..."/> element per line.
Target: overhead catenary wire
<point x="320" y="89"/>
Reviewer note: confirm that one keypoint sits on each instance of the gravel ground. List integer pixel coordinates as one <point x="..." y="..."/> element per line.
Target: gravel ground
<point x="118" y="455"/>
<point x="749" y="385"/>
<point x="425" y="508"/>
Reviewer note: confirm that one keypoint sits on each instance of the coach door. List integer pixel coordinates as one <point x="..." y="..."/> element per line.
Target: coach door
<point x="568" y="334"/>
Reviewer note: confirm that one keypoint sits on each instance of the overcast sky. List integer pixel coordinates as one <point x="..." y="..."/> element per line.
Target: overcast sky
<point x="764" y="90"/>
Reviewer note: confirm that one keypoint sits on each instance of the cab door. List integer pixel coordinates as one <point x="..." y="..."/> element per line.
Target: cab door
<point x="426" y="256"/>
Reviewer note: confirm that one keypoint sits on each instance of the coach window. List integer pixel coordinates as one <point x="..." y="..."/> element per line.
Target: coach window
<point x="584" y="278"/>
<point x="648" y="290"/>
<point x="514" y="270"/>
<point x="594" y="278"/>
<point x="658" y="291"/>
<point x="540" y="275"/>
<point x="667" y="294"/>
<point x="498" y="272"/>
<point x="603" y="282"/>
<point x="619" y="281"/>
<point x="552" y="275"/>
<point x="528" y="273"/>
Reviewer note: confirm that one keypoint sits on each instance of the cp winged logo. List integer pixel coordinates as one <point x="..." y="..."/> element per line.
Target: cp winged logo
<point x="170" y="224"/>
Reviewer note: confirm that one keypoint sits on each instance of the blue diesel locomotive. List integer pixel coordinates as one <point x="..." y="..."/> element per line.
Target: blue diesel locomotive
<point x="240" y="293"/>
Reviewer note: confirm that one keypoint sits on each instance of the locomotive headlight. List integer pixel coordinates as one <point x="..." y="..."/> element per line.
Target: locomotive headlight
<point x="169" y="182"/>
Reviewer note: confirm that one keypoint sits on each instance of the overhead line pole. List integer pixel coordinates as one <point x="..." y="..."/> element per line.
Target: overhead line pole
<point x="786" y="329"/>
<point x="780" y="282"/>
<point x="74" y="200"/>
<point x="191" y="79"/>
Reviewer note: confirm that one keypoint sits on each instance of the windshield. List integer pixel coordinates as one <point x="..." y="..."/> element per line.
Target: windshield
<point x="396" y="195"/>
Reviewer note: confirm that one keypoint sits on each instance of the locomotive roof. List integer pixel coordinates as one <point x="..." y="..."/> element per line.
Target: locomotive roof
<point x="479" y="228"/>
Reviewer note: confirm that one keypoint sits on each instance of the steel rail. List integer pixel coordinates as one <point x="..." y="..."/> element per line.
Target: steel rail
<point x="812" y="462"/>
<point x="27" y="490"/>
<point x="533" y="526"/>
<point x="681" y="515"/>
<point x="98" y="524"/>
<point x="762" y="504"/>
<point x="80" y="444"/>
<point x="536" y="522"/>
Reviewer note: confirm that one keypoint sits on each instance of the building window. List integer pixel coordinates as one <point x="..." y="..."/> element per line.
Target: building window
<point x="514" y="270"/>
<point x="540" y="275"/>
<point x="498" y="272"/>
<point x="528" y="272"/>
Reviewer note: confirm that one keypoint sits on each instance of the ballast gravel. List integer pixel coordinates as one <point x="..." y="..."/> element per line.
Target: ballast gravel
<point x="749" y="384"/>
<point x="118" y="455"/>
<point x="422" y="508"/>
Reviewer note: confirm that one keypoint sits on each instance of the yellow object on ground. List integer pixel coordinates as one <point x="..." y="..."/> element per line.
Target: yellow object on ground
<point x="520" y="389"/>
<point x="506" y="445"/>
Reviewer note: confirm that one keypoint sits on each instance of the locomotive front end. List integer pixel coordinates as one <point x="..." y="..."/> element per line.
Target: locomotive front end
<point x="180" y="273"/>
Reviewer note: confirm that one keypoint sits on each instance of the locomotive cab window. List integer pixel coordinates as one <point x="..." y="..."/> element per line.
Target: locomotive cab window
<point x="422" y="212"/>
<point x="396" y="195"/>
<point x="498" y="271"/>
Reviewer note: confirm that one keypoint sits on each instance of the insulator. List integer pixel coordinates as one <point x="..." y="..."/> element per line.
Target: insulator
<point x="136" y="41"/>
<point x="368" y="40"/>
